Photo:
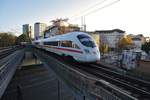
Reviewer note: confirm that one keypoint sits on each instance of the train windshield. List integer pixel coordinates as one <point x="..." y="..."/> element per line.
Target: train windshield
<point x="86" y="40"/>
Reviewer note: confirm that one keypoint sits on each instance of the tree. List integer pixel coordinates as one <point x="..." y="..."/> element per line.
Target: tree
<point x="125" y="42"/>
<point x="146" y="47"/>
<point x="22" y="38"/>
<point x="104" y="48"/>
<point x="7" y="39"/>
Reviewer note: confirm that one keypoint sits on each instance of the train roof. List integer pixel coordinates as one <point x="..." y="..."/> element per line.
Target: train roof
<point x="67" y="36"/>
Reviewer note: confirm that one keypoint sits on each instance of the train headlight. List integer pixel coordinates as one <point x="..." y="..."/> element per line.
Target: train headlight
<point x="86" y="51"/>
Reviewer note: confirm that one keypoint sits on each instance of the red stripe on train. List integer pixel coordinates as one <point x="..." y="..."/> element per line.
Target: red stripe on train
<point x="65" y="49"/>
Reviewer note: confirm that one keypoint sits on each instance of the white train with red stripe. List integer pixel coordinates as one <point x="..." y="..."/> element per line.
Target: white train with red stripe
<point x="78" y="45"/>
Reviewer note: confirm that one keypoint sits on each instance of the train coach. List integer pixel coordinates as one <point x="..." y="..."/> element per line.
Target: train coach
<point x="78" y="45"/>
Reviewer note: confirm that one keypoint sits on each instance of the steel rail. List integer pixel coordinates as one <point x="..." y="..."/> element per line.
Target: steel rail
<point x="139" y="83"/>
<point x="140" y="93"/>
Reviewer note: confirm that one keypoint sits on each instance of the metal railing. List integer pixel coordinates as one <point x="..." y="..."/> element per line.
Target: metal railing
<point x="8" y="68"/>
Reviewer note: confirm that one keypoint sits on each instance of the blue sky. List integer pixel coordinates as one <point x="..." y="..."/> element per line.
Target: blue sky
<point x="16" y="12"/>
<point x="129" y="15"/>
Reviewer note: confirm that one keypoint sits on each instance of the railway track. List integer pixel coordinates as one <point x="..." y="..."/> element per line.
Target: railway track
<point x="125" y="83"/>
<point x="133" y="79"/>
<point x="7" y="51"/>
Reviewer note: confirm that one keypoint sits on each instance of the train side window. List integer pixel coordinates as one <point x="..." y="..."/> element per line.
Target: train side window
<point x="52" y="43"/>
<point x="36" y="43"/>
<point x="66" y="43"/>
<point x="59" y="43"/>
<point x="75" y="46"/>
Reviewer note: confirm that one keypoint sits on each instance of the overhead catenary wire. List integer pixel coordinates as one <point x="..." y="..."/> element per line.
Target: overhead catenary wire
<point x="95" y="10"/>
<point x="99" y="3"/>
<point x="101" y="7"/>
<point x="83" y="24"/>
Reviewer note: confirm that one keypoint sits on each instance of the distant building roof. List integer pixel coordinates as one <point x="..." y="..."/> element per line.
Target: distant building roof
<point x="25" y="24"/>
<point x="136" y="39"/>
<point x="110" y="31"/>
<point x="39" y="23"/>
<point x="141" y="35"/>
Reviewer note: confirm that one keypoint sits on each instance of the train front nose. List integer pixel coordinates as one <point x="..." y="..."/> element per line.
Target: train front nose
<point x="93" y="56"/>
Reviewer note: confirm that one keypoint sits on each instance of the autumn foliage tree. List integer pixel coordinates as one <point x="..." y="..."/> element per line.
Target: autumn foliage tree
<point x="125" y="42"/>
<point x="7" y="39"/>
<point x="104" y="48"/>
<point x="22" y="38"/>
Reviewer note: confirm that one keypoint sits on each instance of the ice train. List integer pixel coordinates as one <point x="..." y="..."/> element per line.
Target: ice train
<point x="78" y="45"/>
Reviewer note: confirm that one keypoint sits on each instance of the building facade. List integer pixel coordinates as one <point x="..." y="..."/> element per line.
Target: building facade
<point x="110" y="37"/>
<point x="39" y="29"/>
<point x="27" y="29"/>
<point x="59" y="27"/>
<point x="138" y="40"/>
